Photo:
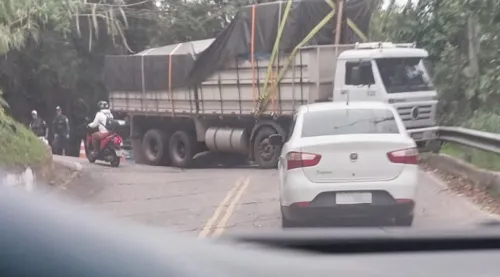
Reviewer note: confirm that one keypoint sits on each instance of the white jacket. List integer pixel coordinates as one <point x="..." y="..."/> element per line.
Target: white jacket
<point x="100" y="120"/>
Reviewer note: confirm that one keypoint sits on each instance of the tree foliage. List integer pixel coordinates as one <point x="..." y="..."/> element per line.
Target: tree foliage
<point x="20" y="19"/>
<point x="40" y="40"/>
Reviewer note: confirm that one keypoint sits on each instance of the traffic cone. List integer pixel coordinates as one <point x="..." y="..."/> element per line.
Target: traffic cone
<point x="82" y="150"/>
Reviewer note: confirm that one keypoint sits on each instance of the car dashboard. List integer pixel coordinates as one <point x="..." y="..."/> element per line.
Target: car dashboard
<point x="42" y="237"/>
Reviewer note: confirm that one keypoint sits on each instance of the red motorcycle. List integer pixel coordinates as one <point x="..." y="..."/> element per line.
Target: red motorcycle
<point x="110" y="148"/>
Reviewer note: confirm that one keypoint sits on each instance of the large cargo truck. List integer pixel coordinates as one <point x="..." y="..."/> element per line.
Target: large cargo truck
<point x="230" y="99"/>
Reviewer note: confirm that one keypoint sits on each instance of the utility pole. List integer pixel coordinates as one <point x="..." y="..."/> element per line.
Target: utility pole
<point x="340" y="13"/>
<point x="338" y="30"/>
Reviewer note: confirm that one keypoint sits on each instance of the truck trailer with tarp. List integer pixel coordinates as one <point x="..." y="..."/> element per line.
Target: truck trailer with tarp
<point x="230" y="93"/>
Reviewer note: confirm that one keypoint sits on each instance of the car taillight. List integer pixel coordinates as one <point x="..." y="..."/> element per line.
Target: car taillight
<point x="404" y="156"/>
<point x="300" y="159"/>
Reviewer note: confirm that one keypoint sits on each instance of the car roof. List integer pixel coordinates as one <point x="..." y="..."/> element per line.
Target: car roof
<point x="345" y="106"/>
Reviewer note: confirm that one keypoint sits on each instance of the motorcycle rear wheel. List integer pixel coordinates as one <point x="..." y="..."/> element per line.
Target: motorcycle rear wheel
<point x="89" y="155"/>
<point x="91" y="159"/>
<point x="115" y="162"/>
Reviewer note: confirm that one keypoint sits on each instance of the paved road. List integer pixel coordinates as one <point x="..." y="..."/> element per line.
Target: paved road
<point x="208" y="202"/>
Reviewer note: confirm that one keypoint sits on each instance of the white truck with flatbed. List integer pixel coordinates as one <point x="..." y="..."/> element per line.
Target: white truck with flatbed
<point x="220" y="115"/>
<point x="240" y="100"/>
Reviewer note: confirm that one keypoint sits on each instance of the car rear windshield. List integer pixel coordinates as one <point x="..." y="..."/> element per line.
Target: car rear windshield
<point x="349" y="121"/>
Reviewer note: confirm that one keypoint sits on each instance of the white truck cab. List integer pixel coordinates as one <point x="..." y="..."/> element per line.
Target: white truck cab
<point x="391" y="73"/>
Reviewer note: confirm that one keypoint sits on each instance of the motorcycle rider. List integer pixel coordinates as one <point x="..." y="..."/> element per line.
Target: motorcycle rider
<point x="61" y="132"/>
<point x="38" y="126"/>
<point x="100" y="120"/>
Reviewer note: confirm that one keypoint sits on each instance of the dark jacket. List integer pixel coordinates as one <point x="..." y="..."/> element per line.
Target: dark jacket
<point x="61" y="125"/>
<point x="39" y="127"/>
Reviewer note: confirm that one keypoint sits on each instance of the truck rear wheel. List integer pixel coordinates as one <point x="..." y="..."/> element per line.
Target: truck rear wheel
<point x="182" y="148"/>
<point x="154" y="147"/>
<point x="265" y="155"/>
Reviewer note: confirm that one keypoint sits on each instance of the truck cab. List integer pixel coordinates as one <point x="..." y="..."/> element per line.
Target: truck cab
<point x="391" y="73"/>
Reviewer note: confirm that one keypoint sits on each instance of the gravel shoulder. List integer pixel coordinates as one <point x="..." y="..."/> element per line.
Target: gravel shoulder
<point x="464" y="188"/>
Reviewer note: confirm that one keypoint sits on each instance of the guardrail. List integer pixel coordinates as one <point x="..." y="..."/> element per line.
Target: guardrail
<point x="489" y="142"/>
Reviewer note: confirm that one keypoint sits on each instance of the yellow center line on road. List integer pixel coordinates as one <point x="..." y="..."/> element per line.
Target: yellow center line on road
<point x="230" y="209"/>
<point x="208" y="227"/>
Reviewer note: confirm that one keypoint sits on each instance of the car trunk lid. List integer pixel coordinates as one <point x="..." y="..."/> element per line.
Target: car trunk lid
<point x="354" y="158"/>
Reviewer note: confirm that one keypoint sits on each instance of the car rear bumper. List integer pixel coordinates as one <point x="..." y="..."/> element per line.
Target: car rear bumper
<point x="314" y="214"/>
<point x="297" y="188"/>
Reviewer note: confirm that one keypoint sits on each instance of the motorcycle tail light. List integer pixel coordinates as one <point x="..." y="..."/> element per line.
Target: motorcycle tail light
<point x="117" y="141"/>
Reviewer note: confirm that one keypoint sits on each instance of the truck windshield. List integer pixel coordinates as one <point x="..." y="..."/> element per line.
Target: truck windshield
<point x="404" y="75"/>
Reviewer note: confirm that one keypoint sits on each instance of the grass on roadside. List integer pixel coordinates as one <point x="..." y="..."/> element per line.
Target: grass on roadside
<point x="479" y="158"/>
<point x="18" y="145"/>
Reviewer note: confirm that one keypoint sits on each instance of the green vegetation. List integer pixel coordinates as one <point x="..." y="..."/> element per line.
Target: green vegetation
<point x="18" y="145"/>
<point x="479" y="158"/>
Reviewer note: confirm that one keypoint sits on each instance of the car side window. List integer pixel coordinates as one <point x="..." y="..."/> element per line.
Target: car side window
<point x="290" y="132"/>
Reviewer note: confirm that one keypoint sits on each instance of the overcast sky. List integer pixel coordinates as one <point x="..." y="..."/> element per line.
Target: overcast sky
<point x="398" y="2"/>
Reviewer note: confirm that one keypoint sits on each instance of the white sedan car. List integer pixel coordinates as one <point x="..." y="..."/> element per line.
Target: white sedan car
<point x="347" y="161"/>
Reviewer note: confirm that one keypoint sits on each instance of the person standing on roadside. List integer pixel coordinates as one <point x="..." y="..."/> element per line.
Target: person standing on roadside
<point x="79" y="114"/>
<point x="38" y="126"/>
<point x="61" y="132"/>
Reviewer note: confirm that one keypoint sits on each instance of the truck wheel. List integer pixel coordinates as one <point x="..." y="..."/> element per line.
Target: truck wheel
<point x="266" y="155"/>
<point x="154" y="146"/>
<point x="182" y="149"/>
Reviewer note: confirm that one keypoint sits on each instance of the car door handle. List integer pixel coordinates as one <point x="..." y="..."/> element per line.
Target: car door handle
<point x="344" y="91"/>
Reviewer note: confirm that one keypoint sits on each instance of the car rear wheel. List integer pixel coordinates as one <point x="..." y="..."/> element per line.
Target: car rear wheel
<point x="285" y="223"/>
<point x="404" y="221"/>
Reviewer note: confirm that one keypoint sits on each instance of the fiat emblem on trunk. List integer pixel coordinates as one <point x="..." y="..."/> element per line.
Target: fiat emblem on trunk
<point x="353" y="156"/>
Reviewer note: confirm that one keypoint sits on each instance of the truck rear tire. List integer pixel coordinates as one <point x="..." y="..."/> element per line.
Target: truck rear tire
<point x="154" y="147"/>
<point x="182" y="149"/>
<point x="265" y="155"/>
